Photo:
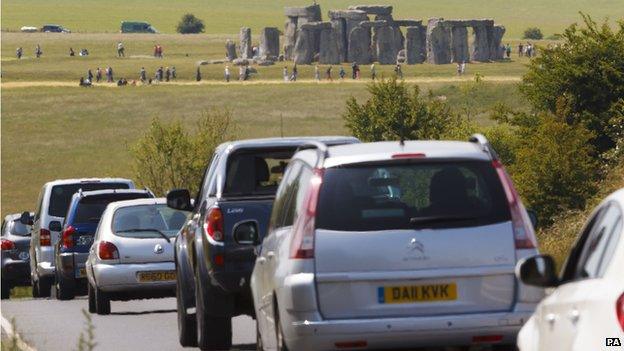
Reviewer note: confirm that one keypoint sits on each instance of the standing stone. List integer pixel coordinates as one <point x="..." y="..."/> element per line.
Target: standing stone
<point x="342" y="41"/>
<point x="269" y="42"/>
<point x="360" y="45"/>
<point x="388" y="45"/>
<point x="482" y="32"/>
<point x="438" y="42"/>
<point x="379" y="10"/>
<point x="304" y="47"/>
<point x="345" y="21"/>
<point x="415" y="44"/>
<point x="230" y="50"/>
<point x="459" y="44"/>
<point x="245" y="43"/>
<point x="290" y="37"/>
<point x="496" y="52"/>
<point x="329" y="52"/>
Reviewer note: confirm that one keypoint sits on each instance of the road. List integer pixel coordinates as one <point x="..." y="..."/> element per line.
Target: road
<point x="49" y="324"/>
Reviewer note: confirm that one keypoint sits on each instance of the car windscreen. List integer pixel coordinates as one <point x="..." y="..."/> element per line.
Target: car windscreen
<point x="18" y="228"/>
<point x="89" y="209"/>
<point x="148" y="221"/>
<point x="255" y="172"/>
<point x="61" y="195"/>
<point x="411" y="195"/>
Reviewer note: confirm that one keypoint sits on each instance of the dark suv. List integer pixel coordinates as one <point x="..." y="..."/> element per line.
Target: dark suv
<point x="81" y="222"/>
<point x="214" y="251"/>
<point x="15" y="257"/>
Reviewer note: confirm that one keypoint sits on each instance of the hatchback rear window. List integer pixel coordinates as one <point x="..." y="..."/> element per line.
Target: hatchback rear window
<point x="407" y="195"/>
<point x="148" y="221"/>
<point x="256" y="172"/>
<point x="90" y="208"/>
<point x="61" y="195"/>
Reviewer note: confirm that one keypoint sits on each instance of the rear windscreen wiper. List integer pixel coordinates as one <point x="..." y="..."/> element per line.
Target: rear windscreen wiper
<point x="439" y="219"/>
<point x="146" y="230"/>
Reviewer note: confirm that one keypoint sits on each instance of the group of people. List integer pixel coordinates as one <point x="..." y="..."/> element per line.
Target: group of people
<point x="161" y="75"/>
<point x="82" y="52"/>
<point x="158" y="51"/>
<point x="19" y="52"/>
<point x="527" y="50"/>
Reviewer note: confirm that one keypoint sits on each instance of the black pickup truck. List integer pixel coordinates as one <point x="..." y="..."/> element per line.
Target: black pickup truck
<point x="214" y="251"/>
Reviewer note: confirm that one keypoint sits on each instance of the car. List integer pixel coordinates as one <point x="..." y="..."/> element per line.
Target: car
<point x="54" y="28"/>
<point x="585" y="308"/>
<point x="392" y="245"/>
<point x="81" y="221"/>
<point x="15" y="238"/>
<point x="29" y="29"/>
<point x="214" y="252"/>
<point x="52" y="205"/>
<point x="132" y="255"/>
<point x="137" y="27"/>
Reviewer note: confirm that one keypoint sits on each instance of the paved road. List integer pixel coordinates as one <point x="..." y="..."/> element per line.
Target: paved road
<point x="48" y="324"/>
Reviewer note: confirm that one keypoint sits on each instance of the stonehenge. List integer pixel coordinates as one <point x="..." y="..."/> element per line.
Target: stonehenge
<point x="230" y="50"/>
<point x="369" y="33"/>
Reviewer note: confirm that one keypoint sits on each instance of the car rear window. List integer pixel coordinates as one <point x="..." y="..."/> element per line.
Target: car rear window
<point x="256" y="172"/>
<point x="406" y="195"/>
<point x="61" y="195"/>
<point x="90" y="208"/>
<point x="145" y="221"/>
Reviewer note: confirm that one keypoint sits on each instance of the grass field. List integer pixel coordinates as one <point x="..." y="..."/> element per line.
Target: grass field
<point x="220" y="17"/>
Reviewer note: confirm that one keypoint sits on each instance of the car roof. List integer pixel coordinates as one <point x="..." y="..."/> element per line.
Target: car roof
<point x="87" y="180"/>
<point x="95" y="193"/>
<point x="137" y="202"/>
<point x="285" y="142"/>
<point x="385" y="150"/>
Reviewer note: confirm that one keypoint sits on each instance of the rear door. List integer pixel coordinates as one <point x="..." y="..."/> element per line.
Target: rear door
<point x="413" y="238"/>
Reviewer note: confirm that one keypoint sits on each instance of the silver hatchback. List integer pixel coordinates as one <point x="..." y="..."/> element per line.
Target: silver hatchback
<point x="392" y="245"/>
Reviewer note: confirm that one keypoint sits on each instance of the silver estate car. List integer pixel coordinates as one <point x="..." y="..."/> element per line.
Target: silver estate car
<point x="132" y="253"/>
<point x="394" y="245"/>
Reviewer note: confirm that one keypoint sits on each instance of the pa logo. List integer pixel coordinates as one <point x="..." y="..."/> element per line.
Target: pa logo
<point x="613" y="342"/>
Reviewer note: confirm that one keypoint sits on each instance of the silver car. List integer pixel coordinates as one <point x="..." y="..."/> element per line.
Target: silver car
<point x="394" y="245"/>
<point x="132" y="253"/>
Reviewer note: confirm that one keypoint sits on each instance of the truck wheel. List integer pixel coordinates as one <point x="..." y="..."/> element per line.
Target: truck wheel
<point x="187" y="324"/>
<point x="91" y="296"/>
<point x="65" y="288"/>
<point x="102" y="302"/>
<point x="213" y="333"/>
<point x="44" y="285"/>
<point x="6" y="289"/>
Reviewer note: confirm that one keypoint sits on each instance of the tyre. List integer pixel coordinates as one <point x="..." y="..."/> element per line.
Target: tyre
<point x="102" y="302"/>
<point x="213" y="333"/>
<point x="44" y="285"/>
<point x="6" y="289"/>
<point x="65" y="288"/>
<point x="187" y="324"/>
<point x="91" y="297"/>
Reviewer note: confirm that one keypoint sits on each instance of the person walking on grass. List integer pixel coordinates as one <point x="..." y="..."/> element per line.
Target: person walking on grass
<point x="317" y="73"/>
<point x="463" y="68"/>
<point x="90" y="75"/>
<point x="342" y="73"/>
<point x="19" y="52"/>
<point x="71" y="52"/>
<point x="111" y="78"/>
<point x="398" y="71"/>
<point x="198" y="75"/>
<point x="293" y="77"/>
<point x="354" y="69"/>
<point x="120" y="50"/>
<point x="174" y="74"/>
<point x="98" y="74"/>
<point x="328" y="74"/>
<point x="142" y="75"/>
<point x="167" y="74"/>
<point x="227" y="73"/>
<point x="459" y="69"/>
<point x="285" y="74"/>
<point x="373" y="72"/>
<point x="38" y="51"/>
<point x="508" y="51"/>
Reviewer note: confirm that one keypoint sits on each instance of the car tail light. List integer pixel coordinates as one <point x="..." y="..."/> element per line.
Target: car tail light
<point x="7" y="245"/>
<point x="44" y="237"/>
<point x="214" y="224"/>
<point x="303" y="240"/>
<point x="107" y="251"/>
<point x="409" y="155"/>
<point x="486" y="339"/>
<point x="219" y="260"/>
<point x="619" y="310"/>
<point x="524" y="235"/>
<point x="68" y="237"/>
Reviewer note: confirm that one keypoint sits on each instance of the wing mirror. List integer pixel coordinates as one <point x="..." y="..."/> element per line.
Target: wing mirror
<point x="55" y="226"/>
<point x="538" y="270"/>
<point x="179" y="199"/>
<point x="246" y="233"/>
<point x="25" y="218"/>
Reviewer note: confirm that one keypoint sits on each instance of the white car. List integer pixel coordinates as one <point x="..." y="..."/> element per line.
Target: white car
<point x="394" y="245"/>
<point x="132" y="253"/>
<point x="50" y="212"/>
<point x="585" y="310"/>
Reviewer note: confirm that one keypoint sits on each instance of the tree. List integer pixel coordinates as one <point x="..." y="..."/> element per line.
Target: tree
<point x="533" y="33"/>
<point x="393" y="111"/>
<point x="189" y="24"/>
<point x="581" y="79"/>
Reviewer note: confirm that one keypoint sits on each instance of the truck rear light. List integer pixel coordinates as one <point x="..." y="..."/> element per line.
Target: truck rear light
<point x="107" y="251"/>
<point x="214" y="224"/>
<point x="7" y="245"/>
<point x="68" y="237"/>
<point x="302" y="246"/>
<point x="486" y="339"/>
<point x="524" y="235"/>
<point x="351" y="344"/>
<point x="44" y="237"/>
<point x="619" y="311"/>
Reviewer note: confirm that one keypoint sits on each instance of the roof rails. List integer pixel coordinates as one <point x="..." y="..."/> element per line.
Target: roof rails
<point x="485" y="145"/>
<point x="321" y="150"/>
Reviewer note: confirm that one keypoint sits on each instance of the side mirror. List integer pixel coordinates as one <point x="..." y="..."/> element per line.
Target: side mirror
<point x="179" y="199"/>
<point x="538" y="270"/>
<point x="533" y="217"/>
<point x="246" y="233"/>
<point x="55" y="226"/>
<point x="25" y="218"/>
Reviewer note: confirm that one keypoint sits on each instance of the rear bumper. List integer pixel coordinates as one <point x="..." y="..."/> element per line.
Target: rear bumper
<point x="45" y="262"/>
<point x="16" y="271"/>
<point x="72" y="264"/>
<point x="124" y="277"/>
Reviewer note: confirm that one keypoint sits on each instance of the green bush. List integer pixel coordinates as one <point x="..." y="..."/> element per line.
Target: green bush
<point x="167" y="156"/>
<point x="189" y="24"/>
<point x="394" y="111"/>
<point x="533" y="33"/>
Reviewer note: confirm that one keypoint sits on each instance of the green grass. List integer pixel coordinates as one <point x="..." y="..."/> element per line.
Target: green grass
<point x="220" y="17"/>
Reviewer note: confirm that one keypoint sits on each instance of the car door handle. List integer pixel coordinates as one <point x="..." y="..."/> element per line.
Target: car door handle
<point x="551" y="318"/>
<point x="574" y="316"/>
<point x="270" y="255"/>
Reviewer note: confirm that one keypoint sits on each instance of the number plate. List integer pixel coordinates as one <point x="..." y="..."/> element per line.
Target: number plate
<point x="84" y="240"/>
<point x="158" y="276"/>
<point x="417" y="293"/>
<point x="82" y="272"/>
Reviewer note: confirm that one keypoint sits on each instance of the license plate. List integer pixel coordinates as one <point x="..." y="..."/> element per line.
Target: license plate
<point x="159" y="276"/>
<point x="417" y="293"/>
<point x="84" y="240"/>
<point x="81" y="273"/>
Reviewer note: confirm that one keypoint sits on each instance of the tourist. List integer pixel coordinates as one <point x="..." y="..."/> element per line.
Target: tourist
<point x="354" y="69"/>
<point x="459" y="69"/>
<point x="247" y="72"/>
<point x="167" y="74"/>
<point x="81" y="82"/>
<point x="83" y="52"/>
<point x="174" y="74"/>
<point x="520" y="50"/>
<point x="71" y="52"/>
<point x="90" y="75"/>
<point x="98" y="74"/>
<point x="328" y="73"/>
<point x="120" y="50"/>
<point x="142" y="75"/>
<point x="373" y="72"/>
<point x="19" y="52"/>
<point x="156" y="50"/>
<point x="342" y="73"/>
<point x="84" y="83"/>
<point x="463" y="68"/>
<point x="508" y="51"/>
<point x="227" y="73"/>
<point x="285" y="73"/>
<point x="317" y="73"/>
<point x="293" y="77"/>
<point x="38" y="51"/>
<point x="109" y="75"/>
<point x="398" y="71"/>
<point x="160" y="73"/>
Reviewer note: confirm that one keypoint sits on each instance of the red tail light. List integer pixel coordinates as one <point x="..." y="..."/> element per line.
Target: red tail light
<point x="107" y="251"/>
<point x="619" y="310"/>
<point x="7" y="245"/>
<point x="524" y="235"/>
<point x="68" y="237"/>
<point x="409" y="155"/>
<point x="44" y="237"/>
<point x="480" y="339"/>
<point x="303" y="240"/>
<point x="214" y="224"/>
